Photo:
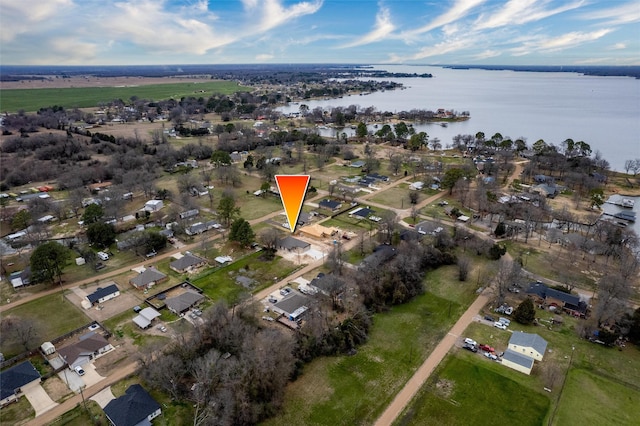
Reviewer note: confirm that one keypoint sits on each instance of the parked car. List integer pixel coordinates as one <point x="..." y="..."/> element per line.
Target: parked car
<point x="508" y="311"/>
<point x="137" y="309"/>
<point x="489" y="318"/>
<point x="499" y="325"/>
<point x="78" y="370"/>
<point x="491" y="356"/>
<point x="505" y="321"/>
<point x="486" y="348"/>
<point x="273" y="300"/>
<point x="162" y="328"/>
<point x="471" y="342"/>
<point x="471" y="348"/>
<point x="285" y="291"/>
<point x="198" y="312"/>
<point x="102" y="255"/>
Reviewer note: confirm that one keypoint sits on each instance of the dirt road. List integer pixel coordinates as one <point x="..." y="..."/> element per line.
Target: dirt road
<point x="414" y="384"/>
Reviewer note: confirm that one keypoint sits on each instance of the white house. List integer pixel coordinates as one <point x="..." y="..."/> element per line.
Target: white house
<point x="103" y="294"/>
<point x="153" y="205"/>
<point x="518" y="362"/>
<point x="528" y="344"/>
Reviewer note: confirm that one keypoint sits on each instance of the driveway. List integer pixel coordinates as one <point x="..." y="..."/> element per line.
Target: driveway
<point x="103" y="397"/>
<point x="38" y="398"/>
<point x="91" y="376"/>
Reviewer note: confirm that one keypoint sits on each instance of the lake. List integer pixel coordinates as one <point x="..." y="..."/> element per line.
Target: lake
<point x="601" y="111"/>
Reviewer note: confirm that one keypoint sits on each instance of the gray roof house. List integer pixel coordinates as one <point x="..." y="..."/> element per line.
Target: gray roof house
<point x="183" y="302"/>
<point x="14" y="379"/>
<point x="516" y="361"/>
<point x="103" y="294"/>
<point x="528" y="344"/>
<point x="135" y="408"/>
<point x="187" y="263"/>
<point x="20" y="278"/>
<point x="292" y="306"/>
<point x="147" y="278"/>
<point x="290" y="243"/>
<point x="87" y="348"/>
<point x="330" y="205"/>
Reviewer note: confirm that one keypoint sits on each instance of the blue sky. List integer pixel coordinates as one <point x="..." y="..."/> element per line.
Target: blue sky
<point x="137" y="32"/>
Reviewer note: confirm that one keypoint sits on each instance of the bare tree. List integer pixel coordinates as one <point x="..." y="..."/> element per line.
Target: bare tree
<point x="464" y="267"/>
<point x="613" y="295"/>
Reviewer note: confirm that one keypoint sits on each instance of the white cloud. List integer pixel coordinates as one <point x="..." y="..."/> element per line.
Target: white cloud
<point x="518" y="12"/>
<point x="618" y="46"/>
<point x="149" y="24"/>
<point x="441" y="48"/>
<point x="459" y="10"/>
<point x="487" y="54"/>
<point x="19" y="17"/>
<point x="624" y="14"/>
<point x="562" y="42"/>
<point x="274" y="13"/>
<point x="382" y="28"/>
<point x="264" y="57"/>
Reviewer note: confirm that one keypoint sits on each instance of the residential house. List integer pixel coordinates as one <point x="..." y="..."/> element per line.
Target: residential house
<point x="187" y="263"/>
<point x="318" y="231"/>
<point x="330" y="205"/>
<point x="102" y="294"/>
<point x="357" y="164"/>
<point x="153" y="205"/>
<point x="14" y="379"/>
<point x="381" y="254"/>
<point x="517" y="361"/>
<point x="545" y="190"/>
<point x="555" y="299"/>
<point x="200" y="227"/>
<point x="145" y="317"/>
<point x="189" y="214"/>
<point x="289" y="243"/>
<point x="20" y="278"/>
<point x="148" y="278"/>
<point x="183" y="302"/>
<point x="528" y="344"/>
<point x="292" y="306"/>
<point x="135" y="408"/>
<point x="378" y="177"/>
<point x="87" y="348"/>
<point x="361" y="213"/>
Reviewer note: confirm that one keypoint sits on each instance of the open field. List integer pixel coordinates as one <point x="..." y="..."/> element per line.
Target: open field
<point x="14" y="100"/>
<point x="352" y="390"/>
<point x="600" y="401"/>
<point x="466" y="387"/>
<point x="51" y="316"/>
<point x="221" y="283"/>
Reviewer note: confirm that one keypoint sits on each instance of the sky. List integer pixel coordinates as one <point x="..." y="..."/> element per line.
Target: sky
<point x="151" y="32"/>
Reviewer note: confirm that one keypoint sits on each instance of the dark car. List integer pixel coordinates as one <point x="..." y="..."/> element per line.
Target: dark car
<point x="489" y="318"/>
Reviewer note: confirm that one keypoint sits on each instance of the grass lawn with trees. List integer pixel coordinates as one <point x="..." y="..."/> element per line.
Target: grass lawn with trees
<point x="220" y="284"/>
<point x="350" y="390"/>
<point x="88" y="97"/>
<point x="51" y="316"/>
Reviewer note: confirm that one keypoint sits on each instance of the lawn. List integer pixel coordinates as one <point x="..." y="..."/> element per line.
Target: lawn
<point x="598" y="400"/>
<point x="396" y="197"/>
<point x="78" y="416"/>
<point x="464" y="389"/>
<point x="51" y="315"/>
<point x="220" y="284"/>
<point x="87" y="97"/>
<point x="352" y="390"/>
<point x="17" y="412"/>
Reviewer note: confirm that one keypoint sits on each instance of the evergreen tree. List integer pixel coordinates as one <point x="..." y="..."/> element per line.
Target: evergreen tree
<point x="525" y="313"/>
<point x="241" y="232"/>
<point x="47" y="262"/>
<point x="101" y="234"/>
<point x="92" y="214"/>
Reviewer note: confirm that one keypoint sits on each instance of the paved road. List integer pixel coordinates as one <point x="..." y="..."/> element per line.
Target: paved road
<point x="403" y="398"/>
<point x="70" y="403"/>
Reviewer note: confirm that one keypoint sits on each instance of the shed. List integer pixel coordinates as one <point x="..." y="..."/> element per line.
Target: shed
<point x="145" y="317"/>
<point x="153" y="205"/>
<point x="47" y="348"/>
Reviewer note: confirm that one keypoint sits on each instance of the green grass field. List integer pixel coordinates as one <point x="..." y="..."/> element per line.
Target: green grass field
<point x="13" y="100"/>
<point x="354" y="390"/>
<point x="51" y="315"/>
<point x="464" y="390"/>
<point x="598" y="400"/>
<point x="221" y="283"/>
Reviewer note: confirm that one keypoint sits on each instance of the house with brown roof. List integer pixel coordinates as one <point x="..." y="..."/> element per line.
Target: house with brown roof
<point x="87" y="348"/>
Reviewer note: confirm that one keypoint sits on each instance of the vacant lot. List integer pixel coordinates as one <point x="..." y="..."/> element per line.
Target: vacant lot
<point x="87" y="97"/>
<point x="465" y="389"/>
<point x="600" y="401"/>
<point x="51" y="316"/>
<point x="353" y="390"/>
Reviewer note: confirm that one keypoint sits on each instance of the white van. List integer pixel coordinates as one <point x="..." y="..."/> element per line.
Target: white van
<point x="103" y="256"/>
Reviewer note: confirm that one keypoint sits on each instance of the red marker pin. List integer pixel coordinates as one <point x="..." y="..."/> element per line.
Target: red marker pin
<point x="292" y="189"/>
